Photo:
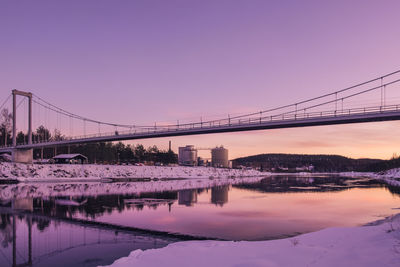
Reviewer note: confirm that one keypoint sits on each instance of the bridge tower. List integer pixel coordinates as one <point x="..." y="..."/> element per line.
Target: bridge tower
<point x="21" y="155"/>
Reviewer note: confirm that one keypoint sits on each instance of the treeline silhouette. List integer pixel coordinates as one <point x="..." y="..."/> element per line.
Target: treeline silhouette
<point x="109" y="153"/>
<point x="320" y="163"/>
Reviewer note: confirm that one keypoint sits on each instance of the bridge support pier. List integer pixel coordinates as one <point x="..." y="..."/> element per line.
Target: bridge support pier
<point x="22" y="155"/>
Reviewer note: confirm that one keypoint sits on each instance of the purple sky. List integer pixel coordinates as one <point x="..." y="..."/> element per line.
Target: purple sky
<point x="146" y="61"/>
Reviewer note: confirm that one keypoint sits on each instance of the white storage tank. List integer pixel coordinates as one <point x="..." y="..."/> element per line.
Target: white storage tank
<point x="187" y="156"/>
<point x="219" y="157"/>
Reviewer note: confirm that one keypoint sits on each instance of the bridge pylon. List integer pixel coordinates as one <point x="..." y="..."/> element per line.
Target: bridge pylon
<point x="21" y="155"/>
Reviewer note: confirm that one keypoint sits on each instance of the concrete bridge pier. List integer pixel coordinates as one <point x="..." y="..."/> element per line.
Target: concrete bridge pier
<point x="22" y="155"/>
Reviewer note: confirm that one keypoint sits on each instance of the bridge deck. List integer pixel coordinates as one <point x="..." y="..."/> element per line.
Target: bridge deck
<point x="386" y="113"/>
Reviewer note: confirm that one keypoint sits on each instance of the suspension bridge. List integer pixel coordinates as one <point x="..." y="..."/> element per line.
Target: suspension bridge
<point x="374" y="100"/>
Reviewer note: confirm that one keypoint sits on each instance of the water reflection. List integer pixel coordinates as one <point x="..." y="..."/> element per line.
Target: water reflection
<point x="286" y="184"/>
<point x="219" y="195"/>
<point x="89" y="230"/>
<point x="187" y="197"/>
<point x="40" y="232"/>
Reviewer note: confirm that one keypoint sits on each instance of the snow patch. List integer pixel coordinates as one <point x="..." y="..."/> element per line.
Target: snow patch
<point x="391" y="177"/>
<point x="79" y="188"/>
<point x="374" y="245"/>
<point x="36" y="172"/>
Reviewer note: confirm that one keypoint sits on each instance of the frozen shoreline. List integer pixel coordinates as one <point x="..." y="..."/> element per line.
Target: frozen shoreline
<point x="390" y="177"/>
<point x="89" y="180"/>
<point x="377" y="244"/>
<point x="79" y="188"/>
<point x="92" y="172"/>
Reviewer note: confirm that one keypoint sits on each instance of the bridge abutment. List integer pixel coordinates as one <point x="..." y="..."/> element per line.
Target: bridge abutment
<point x="22" y="155"/>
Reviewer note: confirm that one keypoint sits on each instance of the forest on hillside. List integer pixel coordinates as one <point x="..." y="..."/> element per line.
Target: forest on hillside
<point x="319" y="163"/>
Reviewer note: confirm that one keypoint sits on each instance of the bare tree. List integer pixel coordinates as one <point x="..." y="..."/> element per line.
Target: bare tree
<point x="6" y="123"/>
<point x="57" y="136"/>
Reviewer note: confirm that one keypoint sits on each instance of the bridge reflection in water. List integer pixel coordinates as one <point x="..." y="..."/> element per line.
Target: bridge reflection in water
<point x="29" y="238"/>
<point x="45" y="231"/>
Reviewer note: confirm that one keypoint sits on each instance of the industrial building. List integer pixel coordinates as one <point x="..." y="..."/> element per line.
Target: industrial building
<point x="219" y="157"/>
<point x="187" y="156"/>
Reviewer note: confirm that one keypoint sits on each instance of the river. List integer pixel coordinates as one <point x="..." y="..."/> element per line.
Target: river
<point x="91" y="230"/>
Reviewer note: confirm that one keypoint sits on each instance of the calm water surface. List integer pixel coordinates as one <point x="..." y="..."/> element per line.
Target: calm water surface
<point x="94" y="230"/>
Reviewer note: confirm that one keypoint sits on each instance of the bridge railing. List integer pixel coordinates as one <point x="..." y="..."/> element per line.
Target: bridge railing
<point x="288" y="116"/>
<point x="300" y="115"/>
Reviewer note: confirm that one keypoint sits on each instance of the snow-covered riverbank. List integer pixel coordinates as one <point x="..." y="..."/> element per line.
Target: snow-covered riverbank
<point x="92" y="172"/>
<point x="391" y="177"/>
<point x="375" y="245"/>
<point x="71" y="189"/>
<point x="52" y="172"/>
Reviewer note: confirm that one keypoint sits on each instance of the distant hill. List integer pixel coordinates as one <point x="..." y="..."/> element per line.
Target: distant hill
<point x="319" y="163"/>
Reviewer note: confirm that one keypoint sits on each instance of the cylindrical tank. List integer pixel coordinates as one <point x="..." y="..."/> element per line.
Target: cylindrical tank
<point x="187" y="156"/>
<point x="219" y="157"/>
<point x="191" y="154"/>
